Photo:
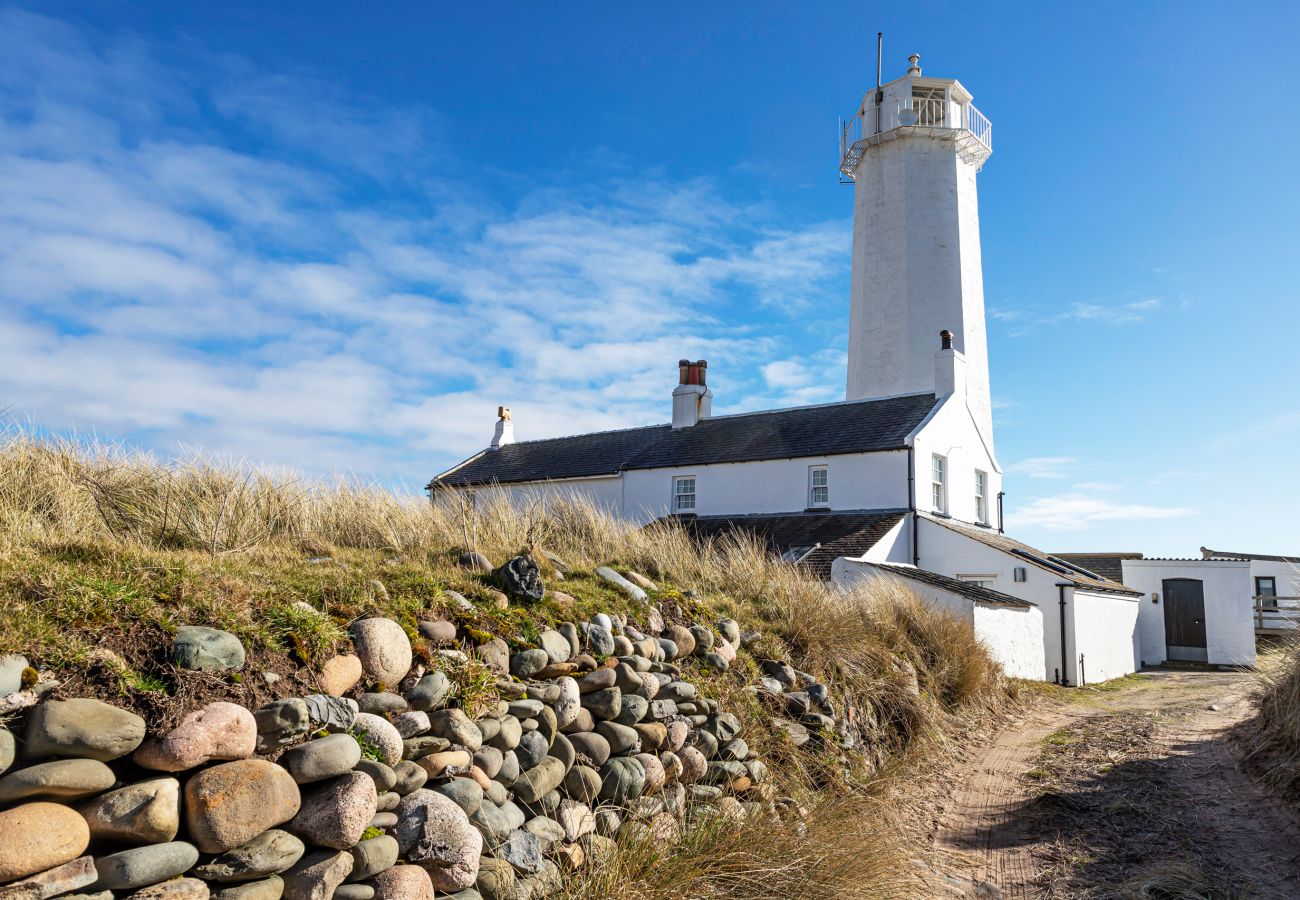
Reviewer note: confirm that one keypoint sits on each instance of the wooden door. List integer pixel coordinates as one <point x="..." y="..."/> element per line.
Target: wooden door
<point x="1185" y="619"/>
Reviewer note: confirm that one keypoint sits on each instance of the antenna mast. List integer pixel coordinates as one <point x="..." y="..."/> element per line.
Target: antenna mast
<point x="880" y="95"/>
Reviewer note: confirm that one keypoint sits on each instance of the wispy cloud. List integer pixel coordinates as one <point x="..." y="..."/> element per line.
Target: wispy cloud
<point x="1043" y="466"/>
<point x="1021" y="322"/>
<point x="170" y="286"/>
<point x="1078" y="511"/>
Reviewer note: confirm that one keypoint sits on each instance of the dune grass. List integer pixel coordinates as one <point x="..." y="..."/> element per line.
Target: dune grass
<point x="104" y="549"/>
<point x="1273" y="735"/>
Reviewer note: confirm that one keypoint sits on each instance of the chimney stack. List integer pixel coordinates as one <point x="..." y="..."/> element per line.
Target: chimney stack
<point x="692" y="399"/>
<point x="949" y="368"/>
<point x="505" y="433"/>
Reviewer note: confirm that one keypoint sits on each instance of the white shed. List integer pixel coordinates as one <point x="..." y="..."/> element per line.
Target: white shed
<point x="1010" y="628"/>
<point x="1194" y="610"/>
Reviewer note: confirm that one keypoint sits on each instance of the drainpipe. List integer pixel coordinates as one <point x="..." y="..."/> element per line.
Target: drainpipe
<point x="1064" y="658"/>
<point x="911" y="506"/>
<point x="1001" y="494"/>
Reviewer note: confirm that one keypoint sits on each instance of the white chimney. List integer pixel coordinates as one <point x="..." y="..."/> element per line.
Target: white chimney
<point x="692" y="399"/>
<point x="949" y="368"/>
<point x="505" y="433"/>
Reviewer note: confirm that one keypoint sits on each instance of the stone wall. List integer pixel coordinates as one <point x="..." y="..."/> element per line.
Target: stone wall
<point x="393" y="781"/>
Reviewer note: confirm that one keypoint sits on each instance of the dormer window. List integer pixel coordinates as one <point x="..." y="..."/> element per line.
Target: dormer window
<point x="819" y="486"/>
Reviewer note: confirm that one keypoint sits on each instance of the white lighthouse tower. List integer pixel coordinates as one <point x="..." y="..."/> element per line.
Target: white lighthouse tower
<point x="912" y="151"/>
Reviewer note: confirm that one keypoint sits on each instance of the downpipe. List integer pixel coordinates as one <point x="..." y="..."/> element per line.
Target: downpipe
<point x="1065" y="660"/>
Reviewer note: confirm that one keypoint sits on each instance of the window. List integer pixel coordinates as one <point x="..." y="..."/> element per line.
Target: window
<point x="1266" y="591"/>
<point x="981" y="497"/>
<point x="684" y="493"/>
<point x="819" y="486"/>
<point x="984" y="581"/>
<point x="939" y="483"/>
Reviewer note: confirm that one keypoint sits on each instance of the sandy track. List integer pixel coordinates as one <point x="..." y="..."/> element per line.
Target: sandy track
<point x="993" y="839"/>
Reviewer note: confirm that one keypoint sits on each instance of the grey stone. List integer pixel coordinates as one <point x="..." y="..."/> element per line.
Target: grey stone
<point x="270" y="853"/>
<point x="604" y="705"/>
<point x="509" y="772"/>
<point x="621" y="738"/>
<point x="716" y="661"/>
<point x="778" y="670"/>
<point x="599" y="680"/>
<point x="456" y="727"/>
<point x="387" y="801"/>
<point x="12" y="666"/>
<point x="64" y="779"/>
<point x="770" y="684"/>
<point x="546" y="830"/>
<point x="464" y="792"/>
<point x="414" y="748"/>
<point x="556" y="646"/>
<point x="430" y="692"/>
<point x="207" y="649"/>
<point x="489" y="760"/>
<point x="599" y="640"/>
<point x="532" y="748"/>
<point x="608" y="822"/>
<point x="634" y="709"/>
<point x="384" y="820"/>
<point x="607" y="574"/>
<point x="704" y="639"/>
<point x="330" y="713"/>
<point x="497" y="880"/>
<point x="373" y="856"/>
<point x="662" y="709"/>
<point x="622" y="779"/>
<point x="508" y="734"/>
<point x="6" y="749"/>
<point x="591" y="748"/>
<point x="381" y="703"/>
<point x="492" y="823"/>
<point x="434" y="833"/>
<point x="317" y="875"/>
<point x="410" y="777"/>
<point x="521" y="579"/>
<point x="280" y="723"/>
<point x="525" y="709"/>
<point x="474" y="561"/>
<point x="522" y="850"/>
<point x="327" y="757"/>
<point x="267" y="889"/>
<point x="495" y="654"/>
<point x="383" y="775"/>
<point x="411" y="724"/>
<point x="83" y="728"/>
<point x="438" y="631"/>
<point x="144" y="813"/>
<point x="724" y="726"/>
<point x="353" y="892"/>
<point x="730" y="630"/>
<point x="678" y="691"/>
<point x="734" y="749"/>
<point x="540" y="779"/>
<point x="527" y="663"/>
<point x="570" y="632"/>
<point x="143" y="866"/>
<point x="562" y="749"/>
<point x="582" y="783"/>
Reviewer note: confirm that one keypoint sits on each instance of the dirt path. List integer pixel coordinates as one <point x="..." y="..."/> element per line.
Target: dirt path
<point x="1124" y="793"/>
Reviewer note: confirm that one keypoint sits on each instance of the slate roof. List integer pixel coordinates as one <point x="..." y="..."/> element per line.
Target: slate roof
<point x="1077" y="575"/>
<point x="970" y="591"/>
<point x="863" y="426"/>
<point x="812" y="539"/>
<point x="1207" y="553"/>
<point x="1108" y="565"/>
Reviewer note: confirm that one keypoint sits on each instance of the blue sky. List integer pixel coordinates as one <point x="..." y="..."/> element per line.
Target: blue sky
<point x="336" y="238"/>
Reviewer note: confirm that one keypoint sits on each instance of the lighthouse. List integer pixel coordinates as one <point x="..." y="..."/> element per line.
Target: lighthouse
<point x="912" y="151"/>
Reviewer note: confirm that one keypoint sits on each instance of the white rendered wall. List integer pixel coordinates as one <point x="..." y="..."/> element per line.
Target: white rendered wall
<point x="949" y="553"/>
<point x="1105" y="632"/>
<point x="606" y="493"/>
<point x="1229" y="615"/>
<point x="1012" y="635"/>
<point x="1287" y="578"/>
<point x="857" y="481"/>
<point x="951" y="432"/>
<point x="916" y="271"/>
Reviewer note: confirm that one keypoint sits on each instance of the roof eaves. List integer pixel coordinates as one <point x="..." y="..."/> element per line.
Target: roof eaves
<point x="460" y="465"/>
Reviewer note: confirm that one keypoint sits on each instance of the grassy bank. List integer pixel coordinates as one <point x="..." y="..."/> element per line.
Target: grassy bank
<point x="103" y="553"/>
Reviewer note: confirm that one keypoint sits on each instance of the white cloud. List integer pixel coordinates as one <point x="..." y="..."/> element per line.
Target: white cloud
<point x="159" y="283"/>
<point x="1077" y="511"/>
<point x="1042" y="466"/>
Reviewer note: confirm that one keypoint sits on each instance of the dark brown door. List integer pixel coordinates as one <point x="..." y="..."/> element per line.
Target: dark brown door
<point x="1185" y="619"/>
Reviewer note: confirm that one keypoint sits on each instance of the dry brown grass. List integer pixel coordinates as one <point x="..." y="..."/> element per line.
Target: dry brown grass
<point x="98" y="543"/>
<point x="1273" y="737"/>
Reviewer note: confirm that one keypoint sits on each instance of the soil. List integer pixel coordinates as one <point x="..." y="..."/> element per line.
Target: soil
<point x="1133" y="791"/>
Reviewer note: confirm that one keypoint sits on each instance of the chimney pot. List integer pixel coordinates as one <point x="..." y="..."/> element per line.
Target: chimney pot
<point x="945" y="339"/>
<point x="915" y="67"/>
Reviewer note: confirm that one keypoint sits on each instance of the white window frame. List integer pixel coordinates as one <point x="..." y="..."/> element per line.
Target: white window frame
<point x="984" y="581"/>
<point x="677" y="496"/>
<point x="813" y="502"/>
<point x="981" y="496"/>
<point x="939" y="485"/>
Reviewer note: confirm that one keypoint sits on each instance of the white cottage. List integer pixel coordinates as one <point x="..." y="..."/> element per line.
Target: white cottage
<point x="900" y="479"/>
